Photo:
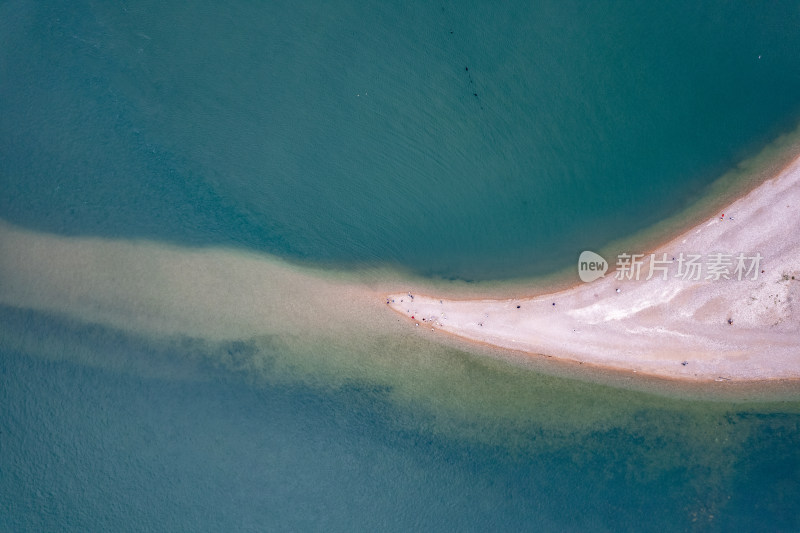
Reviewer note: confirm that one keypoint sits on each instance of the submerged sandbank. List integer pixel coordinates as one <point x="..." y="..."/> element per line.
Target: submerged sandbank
<point x="679" y="327"/>
<point x="336" y="324"/>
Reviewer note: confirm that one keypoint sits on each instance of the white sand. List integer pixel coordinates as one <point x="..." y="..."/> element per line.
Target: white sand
<point x="672" y="328"/>
<point x="649" y="327"/>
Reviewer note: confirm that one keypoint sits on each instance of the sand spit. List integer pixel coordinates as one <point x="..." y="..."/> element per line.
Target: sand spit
<point x="680" y="327"/>
<point x="704" y="329"/>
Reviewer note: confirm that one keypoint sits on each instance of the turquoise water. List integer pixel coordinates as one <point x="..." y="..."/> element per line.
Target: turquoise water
<point x="191" y="447"/>
<point x="452" y="140"/>
<point x="353" y="136"/>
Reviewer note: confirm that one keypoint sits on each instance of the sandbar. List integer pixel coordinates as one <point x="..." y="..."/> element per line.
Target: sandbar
<point x="716" y="323"/>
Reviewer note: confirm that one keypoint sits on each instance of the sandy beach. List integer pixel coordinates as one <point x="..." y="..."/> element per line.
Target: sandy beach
<point x="732" y="317"/>
<point x="726" y="329"/>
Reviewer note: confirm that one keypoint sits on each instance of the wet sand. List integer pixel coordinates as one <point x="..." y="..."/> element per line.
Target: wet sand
<point x="700" y="329"/>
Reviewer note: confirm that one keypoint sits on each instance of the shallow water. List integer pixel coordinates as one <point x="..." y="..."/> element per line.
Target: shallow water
<point x="163" y="436"/>
<point x="450" y="141"/>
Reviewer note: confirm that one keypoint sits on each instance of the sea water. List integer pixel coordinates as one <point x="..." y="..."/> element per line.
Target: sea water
<point x="458" y="140"/>
<point x="451" y="140"/>
<point x="113" y="432"/>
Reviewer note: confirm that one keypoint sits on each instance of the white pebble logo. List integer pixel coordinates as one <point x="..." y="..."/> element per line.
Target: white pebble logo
<point x="591" y="266"/>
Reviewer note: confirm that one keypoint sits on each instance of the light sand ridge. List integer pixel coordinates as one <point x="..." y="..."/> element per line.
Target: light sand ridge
<point x="705" y="329"/>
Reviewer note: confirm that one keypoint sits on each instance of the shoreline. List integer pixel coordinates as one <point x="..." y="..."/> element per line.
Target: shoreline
<point x="163" y="290"/>
<point x="732" y="186"/>
<point x="667" y="329"/>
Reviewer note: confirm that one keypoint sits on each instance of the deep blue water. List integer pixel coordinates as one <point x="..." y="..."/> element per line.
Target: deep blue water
<point x="86" y="449"/>
<point x="117" y="432"/>
<point x="455" y="140"/>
